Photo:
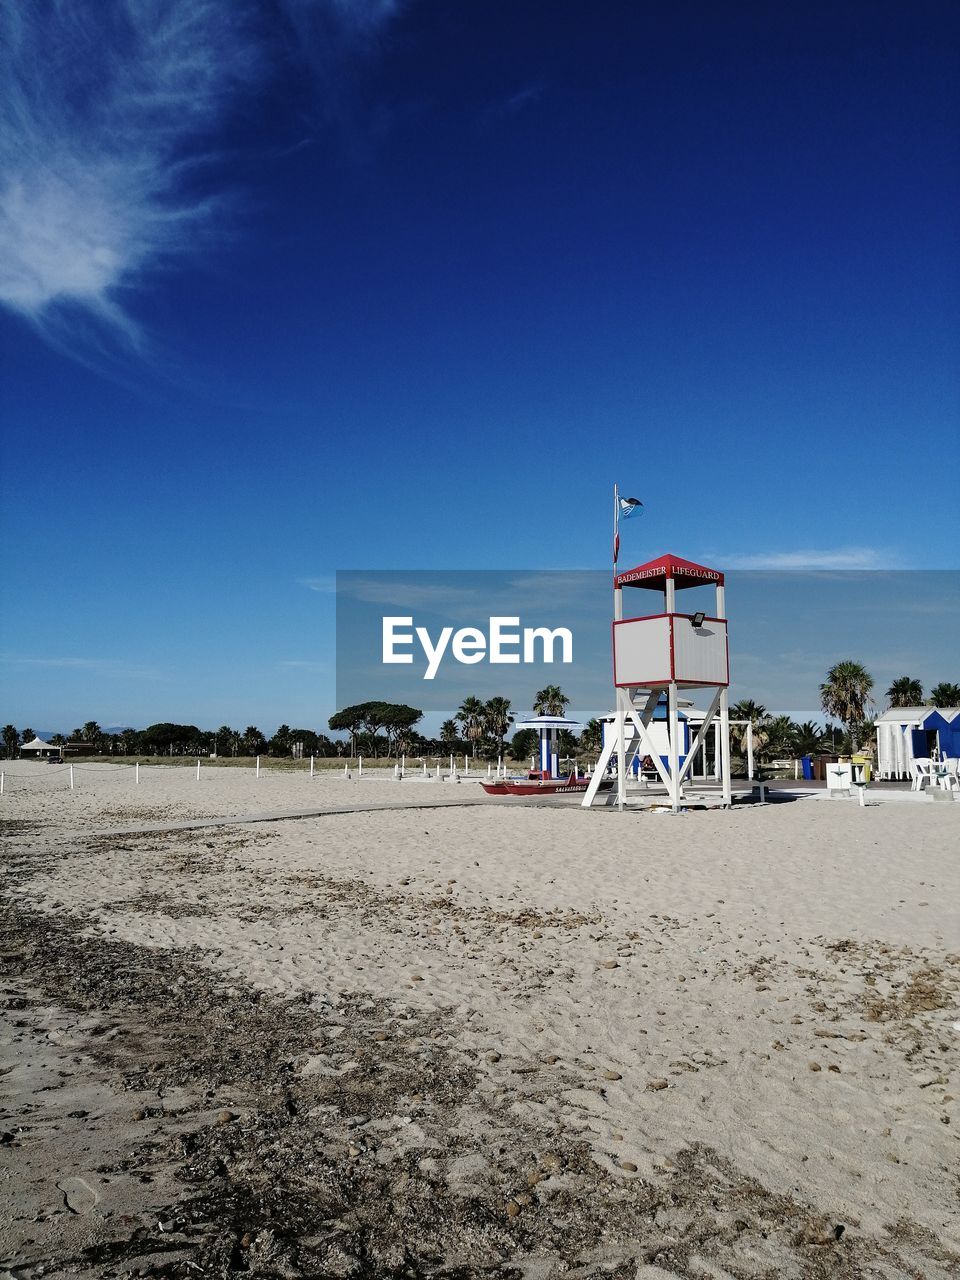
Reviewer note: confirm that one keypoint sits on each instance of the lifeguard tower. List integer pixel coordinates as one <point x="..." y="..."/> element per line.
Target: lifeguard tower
<point x="662" y="653"/>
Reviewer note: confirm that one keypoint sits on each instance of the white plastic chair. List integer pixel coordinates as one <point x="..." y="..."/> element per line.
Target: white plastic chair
<point x="922" y="771"/>
<point x="948" y="774"/>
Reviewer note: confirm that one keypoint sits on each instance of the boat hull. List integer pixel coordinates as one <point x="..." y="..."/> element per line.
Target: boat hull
<point x="541" y="786"/>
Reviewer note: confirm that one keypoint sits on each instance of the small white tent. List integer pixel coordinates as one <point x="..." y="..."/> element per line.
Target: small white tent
<point x="39" y="748"/>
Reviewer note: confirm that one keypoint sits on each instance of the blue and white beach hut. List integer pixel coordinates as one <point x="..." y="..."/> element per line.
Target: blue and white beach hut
<point x="905" y="734"/>
<point x="548" y="729"/>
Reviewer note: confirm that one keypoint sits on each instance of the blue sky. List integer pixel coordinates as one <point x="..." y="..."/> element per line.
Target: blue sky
<point x="288" y="286"/>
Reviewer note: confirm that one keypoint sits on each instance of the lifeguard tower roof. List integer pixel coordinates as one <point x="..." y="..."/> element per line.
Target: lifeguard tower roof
<point x="655" y="573"/>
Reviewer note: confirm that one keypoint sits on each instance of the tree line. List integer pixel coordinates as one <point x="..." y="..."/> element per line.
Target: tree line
<point x="480" y="727"/>
<point x="379" y="728"/>
<point x="167" y="739"/>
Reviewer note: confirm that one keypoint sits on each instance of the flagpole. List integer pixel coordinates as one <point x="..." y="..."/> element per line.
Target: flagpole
<point x="618" y="725"/>
<point x="617" y="595"/>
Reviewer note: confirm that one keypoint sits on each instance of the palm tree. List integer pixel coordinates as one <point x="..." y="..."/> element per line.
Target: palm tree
<point x="497" y="718"/>
<point x="253" y="741"/>
<point x="906" y="692"/>
<point x="551" y="701"/>
<point x="592" y="737"/>
<point x="846" y="694"/>
<point x="756" y="714"/>
<point x="448" y="733"/>
<point x="472" y="718"/>
<point x="11" y="740"/>
<point x="945" y="694"/>
<point x="780" y="734"/>
<point x="807" y="738"/>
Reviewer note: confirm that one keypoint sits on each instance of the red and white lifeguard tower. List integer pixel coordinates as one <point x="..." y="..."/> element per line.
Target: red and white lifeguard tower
<point x="659" y="653"/>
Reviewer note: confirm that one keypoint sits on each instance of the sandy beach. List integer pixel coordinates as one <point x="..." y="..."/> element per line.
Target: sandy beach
<point x="398" y="1040"/>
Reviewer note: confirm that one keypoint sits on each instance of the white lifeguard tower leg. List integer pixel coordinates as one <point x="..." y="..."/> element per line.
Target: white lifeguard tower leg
<point x="606" y="753"/>
<point x="725" y="747"/>
<point x="673" y="740"/>
<point x="622" y="699"/>
<point x="699" y="743"/>
<point x="641" y="722"/>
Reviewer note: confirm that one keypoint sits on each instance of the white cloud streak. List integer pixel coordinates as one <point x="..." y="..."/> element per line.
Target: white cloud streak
<point x="109" y="113"/>
<point x="118" y="667"/>
<point x="836" y="558"/>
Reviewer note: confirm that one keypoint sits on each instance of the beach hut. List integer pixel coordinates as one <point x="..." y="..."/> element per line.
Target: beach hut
<point x="905" y="734"/>
<point x="38" y="749"/>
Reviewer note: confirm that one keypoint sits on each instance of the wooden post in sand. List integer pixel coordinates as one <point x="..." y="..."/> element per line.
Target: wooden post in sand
<point x="198" y="768"/>
<point x="359" y="766"/>
<point x="71" y="777"/>
<point x="1" y="782"/>
<point x="136" y="773"/>
<point x="258" y="766"/>
<point x="311" y="766"/>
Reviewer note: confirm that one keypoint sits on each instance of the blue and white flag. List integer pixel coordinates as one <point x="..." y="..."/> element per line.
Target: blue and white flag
<point x="624" y="508"/>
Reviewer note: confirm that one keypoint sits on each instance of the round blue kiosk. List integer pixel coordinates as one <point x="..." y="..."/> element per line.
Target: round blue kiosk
<point x="548" y="729"/>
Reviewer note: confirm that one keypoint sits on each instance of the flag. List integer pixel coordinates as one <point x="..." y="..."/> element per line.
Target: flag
<point x="624" y="508"/>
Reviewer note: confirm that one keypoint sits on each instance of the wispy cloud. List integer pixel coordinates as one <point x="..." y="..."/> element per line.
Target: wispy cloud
<point x="515" y="102"/>
<point x="109" y="122"/>
<point x="117" y="667"/>
<point x="440" y="593"/>
<point x="832" y="558"/>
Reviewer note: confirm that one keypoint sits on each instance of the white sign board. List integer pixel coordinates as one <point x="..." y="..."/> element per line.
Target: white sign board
<point x="641" y="652"/>
<point x="840" y="777"/>
<point x="700" y="653"/>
